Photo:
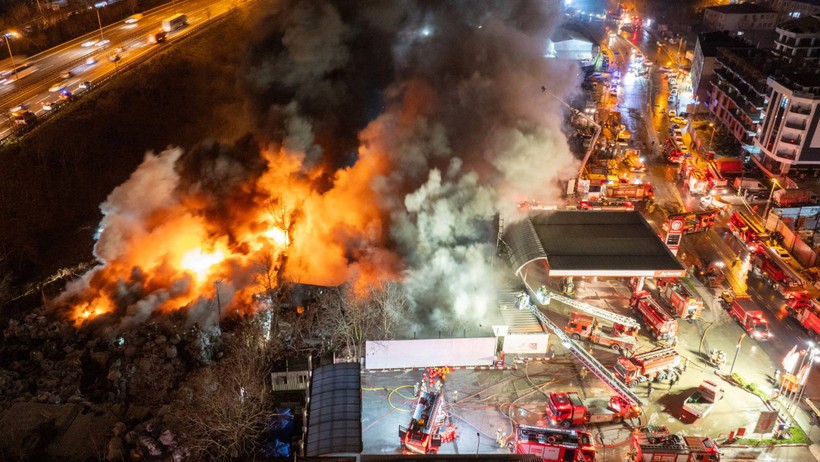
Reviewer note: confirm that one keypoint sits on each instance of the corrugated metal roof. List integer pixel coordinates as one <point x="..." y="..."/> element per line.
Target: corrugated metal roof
<point x="335" y="411"/>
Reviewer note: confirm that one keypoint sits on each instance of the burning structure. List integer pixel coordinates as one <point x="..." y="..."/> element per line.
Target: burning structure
<point x="406" y="192"/>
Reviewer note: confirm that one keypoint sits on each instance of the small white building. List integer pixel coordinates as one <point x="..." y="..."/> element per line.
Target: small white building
<point x="570" y="45"/>
<point x="736" y="17"/>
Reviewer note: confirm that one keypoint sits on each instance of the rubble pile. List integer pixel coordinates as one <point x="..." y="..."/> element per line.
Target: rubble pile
<point x="146" y="441"/>
<point x="50" y="361"/>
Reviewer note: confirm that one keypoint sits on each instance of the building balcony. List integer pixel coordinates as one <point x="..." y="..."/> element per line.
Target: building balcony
<point x="785" y="155"/>
<point x="796" y="125"/>
<point x="799" y="110"/>
<point x="791" y="140"/>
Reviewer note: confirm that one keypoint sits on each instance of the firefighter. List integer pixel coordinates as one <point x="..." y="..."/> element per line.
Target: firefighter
<point x="416" y="389"/>
<point x="649" y="390"/>
<point x="500" y="437"/>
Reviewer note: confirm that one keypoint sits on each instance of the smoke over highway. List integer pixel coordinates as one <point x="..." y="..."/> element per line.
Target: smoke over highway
<point x="390" y="136"/>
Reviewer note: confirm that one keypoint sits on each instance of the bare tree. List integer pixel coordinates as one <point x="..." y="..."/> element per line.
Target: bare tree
<point x="349" y="318"/>
<point x="223" y="410"/>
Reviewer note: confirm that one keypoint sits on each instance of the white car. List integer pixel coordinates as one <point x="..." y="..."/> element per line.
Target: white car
<point x="89" y="43"/>
<point x="91" y="60"/>
<point x="56" y="87"/>
<point x="134" y="18"/>
<point x="102" y="43"/>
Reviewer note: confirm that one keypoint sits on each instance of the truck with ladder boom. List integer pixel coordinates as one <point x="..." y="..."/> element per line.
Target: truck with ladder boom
<point x="747" y="229"/>
<point x="567" y="410"/>
<point x="679" y="298"/>
<point x="583" y="326"/>
<point x="775" y="271"/>
<point x="423" y="433"/>
<point x="655" y="443"/>
<point x="587" y="360"/>
<point x="553" y="444"/>
<point x="660" y="363"/>
<point x="659" y="322"/>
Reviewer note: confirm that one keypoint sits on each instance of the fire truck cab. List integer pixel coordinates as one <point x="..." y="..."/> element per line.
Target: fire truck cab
<point x="422" y="436"/>
<point x="567" y="409"/>
<point x="553" y="444"/>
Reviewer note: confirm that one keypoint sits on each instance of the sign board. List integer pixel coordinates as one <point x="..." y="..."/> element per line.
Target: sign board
<point x="392" y="354"/>
<point x="766" y="422"/>
<point x="530" y="344"/>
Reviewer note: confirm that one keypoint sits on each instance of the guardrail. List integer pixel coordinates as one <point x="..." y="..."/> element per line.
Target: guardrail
<point x="16" y="134"/>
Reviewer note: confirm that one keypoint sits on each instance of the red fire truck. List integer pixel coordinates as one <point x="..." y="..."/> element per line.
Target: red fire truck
<point x="693" y="222"/>
<point x="679" y="298"/>
<point x="806" y="311"/>
<point x="422" y="435"/>
<point x="633" y="192"/>
<point x="553" y="444"/>
<point x="618" y="337"/>
<point x="773" y="272"/>
<point x="748" y="314"/>
<point x="717" y="183"/>
<point x="567" y="409"/>
<point x="660" y="364"/>
<point x="606" y="205"/>
<point x="747" y="230"/>
<point x="658" y="321"/>
<point x="673" y="153"/>
<point x="655" y="443"/>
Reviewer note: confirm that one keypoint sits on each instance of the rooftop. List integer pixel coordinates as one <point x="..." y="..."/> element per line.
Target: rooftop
<point x="710" y="41"/>
<point x="589" y="243"/>
<point x="740" y="8"/>
<point x="804" y="25"/>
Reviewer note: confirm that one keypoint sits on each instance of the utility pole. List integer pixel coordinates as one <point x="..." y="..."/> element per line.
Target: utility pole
<point x="100" y="23"/>
<point x="218" y="301"/>
<point x="11" y="55"/>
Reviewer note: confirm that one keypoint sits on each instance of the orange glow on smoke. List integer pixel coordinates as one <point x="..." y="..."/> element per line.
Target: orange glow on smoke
<point x="176" y="253"/>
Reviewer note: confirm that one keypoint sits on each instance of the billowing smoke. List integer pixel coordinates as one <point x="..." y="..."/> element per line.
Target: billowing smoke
<point x="393" y="134"/>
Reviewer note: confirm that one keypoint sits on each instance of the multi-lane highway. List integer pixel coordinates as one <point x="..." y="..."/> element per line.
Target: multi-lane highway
<point x="89" y="58"/>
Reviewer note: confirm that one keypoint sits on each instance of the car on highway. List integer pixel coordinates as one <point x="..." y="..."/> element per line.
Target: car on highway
<point x="115" y="57"/>
<point x="102" y="43"/>
<point x="86" y="85"/>
<point x="56" y="87"/>
<point x="91" y="60"/>
<point x="133" y="19"/>
<point x="66" y="75"/>
<point x="89" y="43"/>
<point x="53" y="105"/>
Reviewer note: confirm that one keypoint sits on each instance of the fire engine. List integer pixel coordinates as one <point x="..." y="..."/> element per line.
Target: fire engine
<point x="746" y="229"/>
<point x="633" y="192"/>
<point x="567" y="409"/>
<point x="679" y="298"/>
<point x="716" y="182"/>
<point x="673" y="153"/>
<point x="658" y="321"/>
<point x="619" y="337"/>
<point x="422" y="435"/>
<point x="655" y="443"/>
<point x="775" y="272"/>
<point x="693" y="222"/>
<point x="697" y="182"/>
<point x="606" y="205"/>
<point x="806" y="311"/>
<point x="750" y="317"/>
<point x="553" y="444"/>
<point x="660" y="364"/>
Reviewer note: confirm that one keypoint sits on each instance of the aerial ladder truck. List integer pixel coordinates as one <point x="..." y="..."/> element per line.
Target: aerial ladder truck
<point x="586" y="359"/>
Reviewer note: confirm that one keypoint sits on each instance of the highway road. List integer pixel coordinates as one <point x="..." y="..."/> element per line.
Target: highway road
<point x="87" y="57"/>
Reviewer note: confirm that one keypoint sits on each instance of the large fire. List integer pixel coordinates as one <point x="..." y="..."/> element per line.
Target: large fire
<point x="174" y="247"/>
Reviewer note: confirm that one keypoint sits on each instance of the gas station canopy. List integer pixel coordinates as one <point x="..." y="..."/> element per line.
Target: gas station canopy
<point x="589" y="243"/>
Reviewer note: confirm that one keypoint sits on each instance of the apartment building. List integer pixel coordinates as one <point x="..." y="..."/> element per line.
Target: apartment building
<point x="789" y="139"/>
<point x="794" y="9"/>
<point x="798" y="42"/>
<point x="739" y="91"/>
<point x="705" y="58"/>
<point x="736" y="17"/>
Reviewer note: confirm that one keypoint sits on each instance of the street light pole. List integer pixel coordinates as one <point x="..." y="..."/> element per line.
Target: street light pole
<point x="803" y="380"/>
<point x="714" y="128"/>
<point x="737" y="351"/>
<point x="100" y="23"/>
<point x="11" y="55"/>
<point x="769" y="202"/>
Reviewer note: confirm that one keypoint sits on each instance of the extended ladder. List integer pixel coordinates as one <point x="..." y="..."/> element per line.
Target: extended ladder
<point x="656" y="353"/>
<point x="543" y="295"/>
<point x="584" y="357"/>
